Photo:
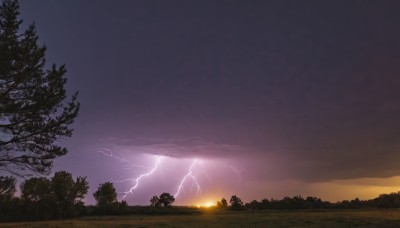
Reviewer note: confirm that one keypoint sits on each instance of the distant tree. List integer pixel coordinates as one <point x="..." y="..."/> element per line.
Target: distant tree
<point x="34" y="112"/>
<point x="13" y="210"/>
<point x="297" y="202"/>
<point x="166" y="199"/>
<point x="105" y="194"/>
<point x="7" y="191"/>
<point x="223" y="203"/>
<point x="38" y="199"/>
<point x="255" y="205"/>
<point x="107" y="203"/>
<point x="59" y="197"/>
<point x="35" y="189"/>
<point x="356" y="203"/>
<point x="265" y="204"/>
<point x="124" y="203"/>
<point x="391" y="200"/>
<point x="314" y="202"/>
<point x="7" y="187"/>
<point x="122" y="207"/>
<point x="155" y="201"/>
<point x="68" y="193"/>
<point x="236" y="203"/>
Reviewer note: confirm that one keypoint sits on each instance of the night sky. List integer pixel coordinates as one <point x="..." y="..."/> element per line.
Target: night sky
<point x="264" y="98"/>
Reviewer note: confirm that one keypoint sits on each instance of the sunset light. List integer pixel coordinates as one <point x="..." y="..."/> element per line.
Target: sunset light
<point x="207" y="204"/>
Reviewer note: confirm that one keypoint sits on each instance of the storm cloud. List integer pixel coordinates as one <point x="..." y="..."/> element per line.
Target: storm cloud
<point x="289" y="90"/>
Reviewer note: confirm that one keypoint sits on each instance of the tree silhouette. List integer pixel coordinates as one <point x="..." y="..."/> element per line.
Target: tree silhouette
<point x="39" y="202"/>
<point x="254" y="205"/>
<point x="58" y="197"/>
<point x="106" y="197"/>
<point x="68" y="193"/>
<point x="105" y="194"/>
<point x="155" y="201"/>
<point x="166" y="199"/>
<point x="35" y="189"/>
<point x="7" y="191"/>
<point x="223" y="203"/>
<point x="34" y="112"/>
<point x="236" y="203"/>
<point x="7" y="187"/>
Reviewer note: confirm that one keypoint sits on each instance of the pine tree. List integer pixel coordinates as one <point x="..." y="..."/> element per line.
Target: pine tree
<point x="34" y="112"/>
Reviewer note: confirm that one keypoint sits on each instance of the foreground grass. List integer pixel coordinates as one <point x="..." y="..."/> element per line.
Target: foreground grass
<point x="322" y="218"/>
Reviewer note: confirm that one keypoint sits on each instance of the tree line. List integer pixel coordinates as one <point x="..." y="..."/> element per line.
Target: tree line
<point x="61" y="197"/>
<point x="58" y="197"/>
<point x="391" y="200"/>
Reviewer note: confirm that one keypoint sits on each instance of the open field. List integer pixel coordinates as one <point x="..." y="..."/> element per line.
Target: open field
<point x="321" y="218"/>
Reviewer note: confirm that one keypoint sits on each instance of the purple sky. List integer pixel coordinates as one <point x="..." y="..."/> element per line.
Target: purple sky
<point x="273" y="98"/>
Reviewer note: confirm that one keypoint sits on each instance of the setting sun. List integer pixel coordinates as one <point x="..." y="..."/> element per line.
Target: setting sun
<point x="206" y="204"/>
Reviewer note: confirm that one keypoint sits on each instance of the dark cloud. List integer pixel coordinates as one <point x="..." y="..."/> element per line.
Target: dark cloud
<point x="177" y="148"/>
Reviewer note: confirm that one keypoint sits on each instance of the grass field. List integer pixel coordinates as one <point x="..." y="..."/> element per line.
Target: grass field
<point x="322" y="218"/>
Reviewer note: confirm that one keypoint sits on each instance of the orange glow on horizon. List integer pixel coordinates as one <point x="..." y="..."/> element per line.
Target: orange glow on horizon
<point x="207" y="204"/>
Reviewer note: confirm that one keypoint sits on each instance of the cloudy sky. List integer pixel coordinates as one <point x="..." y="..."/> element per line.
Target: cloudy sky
<point x="256" y="98"/>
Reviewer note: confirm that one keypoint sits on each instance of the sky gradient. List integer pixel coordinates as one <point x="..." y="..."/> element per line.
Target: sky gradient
<point x="273" y="98"/>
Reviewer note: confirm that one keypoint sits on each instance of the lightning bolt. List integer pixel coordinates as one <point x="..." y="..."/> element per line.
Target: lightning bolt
<point x="236" y="171"/>
<point x="137" y="180"/>
<point x="188" y="175"/>
<point x="109" y="153"/>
